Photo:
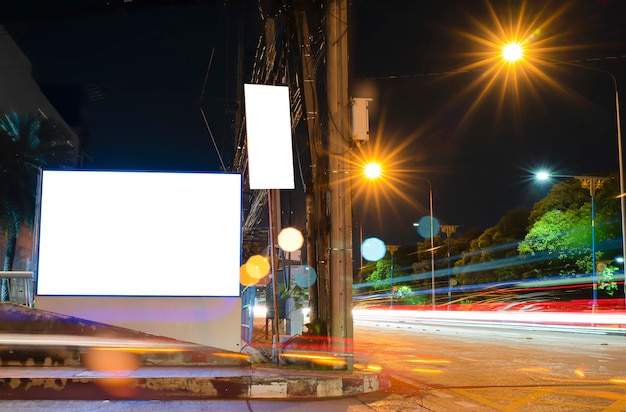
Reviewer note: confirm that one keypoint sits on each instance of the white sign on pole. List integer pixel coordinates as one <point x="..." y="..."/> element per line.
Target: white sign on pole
<point x="268" y="124"/>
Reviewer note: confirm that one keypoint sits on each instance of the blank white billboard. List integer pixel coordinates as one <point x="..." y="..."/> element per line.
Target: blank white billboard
<point x="106" y="233"/>
<point x="268" y="130"/>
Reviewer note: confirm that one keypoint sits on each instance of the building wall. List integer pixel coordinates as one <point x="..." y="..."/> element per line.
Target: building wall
<point x="18" y="89"/>
<point x="20" y="92"/>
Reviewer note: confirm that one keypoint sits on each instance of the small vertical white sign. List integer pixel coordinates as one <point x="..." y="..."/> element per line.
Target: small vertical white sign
<point x="268" y="125"/>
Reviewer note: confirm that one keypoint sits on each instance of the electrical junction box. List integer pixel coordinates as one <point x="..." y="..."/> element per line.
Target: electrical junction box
<point x="359" y="119"/>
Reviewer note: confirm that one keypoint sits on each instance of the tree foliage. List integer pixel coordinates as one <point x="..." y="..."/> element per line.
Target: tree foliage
<point x="552" y="238"/>
<point x="27" y="144"/>
<point x="489" y="256"/>
<point x="381" y="274"/>
<point x="559" y="237"/>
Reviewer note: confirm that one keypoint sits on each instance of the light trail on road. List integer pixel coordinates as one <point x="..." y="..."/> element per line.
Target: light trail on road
<point x="613" y="322"/>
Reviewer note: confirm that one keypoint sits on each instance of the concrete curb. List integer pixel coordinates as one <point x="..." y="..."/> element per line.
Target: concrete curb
<point x="309" y="386"/>
<point x="179" y="383"/>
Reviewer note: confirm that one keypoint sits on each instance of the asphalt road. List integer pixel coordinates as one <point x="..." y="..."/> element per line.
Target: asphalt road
<point x="457" y="367"/>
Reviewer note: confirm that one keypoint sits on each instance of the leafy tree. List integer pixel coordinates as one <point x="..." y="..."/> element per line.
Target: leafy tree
<point x="607" y="282"/>
<point x="559" y="236"/>
<point x="381" y="276"/>
<point x="493" y="255"/>
<point x="364" y="271"/>
<point x="405" y="295"/>
<point x="461" y="240"/>
<point x="27" y="144"/>
<point x="563" y="195"/>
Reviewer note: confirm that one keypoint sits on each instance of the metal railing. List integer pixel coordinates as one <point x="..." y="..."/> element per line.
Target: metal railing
<point x="21" y="286"/>
<point x="247" y="313"/>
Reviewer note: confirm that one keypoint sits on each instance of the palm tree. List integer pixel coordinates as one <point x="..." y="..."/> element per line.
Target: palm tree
<point x="27" y="144"/>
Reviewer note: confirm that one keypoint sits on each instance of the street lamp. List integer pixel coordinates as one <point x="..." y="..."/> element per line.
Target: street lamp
<point x="449" y="230"/>
<point x="592" y="183"/>
<point x="622" y="196"/>
<point x="514" y="52"/>
<point x="373" y="170"/>
<point x="432" y="238"/>
<point x="392" y="249"/>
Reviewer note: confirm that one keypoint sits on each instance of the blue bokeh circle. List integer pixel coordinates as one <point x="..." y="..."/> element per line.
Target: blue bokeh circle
<point x="373" y="249"/>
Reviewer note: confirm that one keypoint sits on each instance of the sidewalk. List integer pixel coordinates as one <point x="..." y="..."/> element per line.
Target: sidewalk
<point x="133" y="365"/>
<point x="184" y="382"/>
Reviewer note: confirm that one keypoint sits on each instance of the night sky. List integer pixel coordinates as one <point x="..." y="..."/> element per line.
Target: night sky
<point x="147" y="72"/>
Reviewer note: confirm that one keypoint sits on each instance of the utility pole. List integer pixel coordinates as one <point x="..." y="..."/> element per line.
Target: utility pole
<point x="339" y="180"/>
<point x="316" y="232"/>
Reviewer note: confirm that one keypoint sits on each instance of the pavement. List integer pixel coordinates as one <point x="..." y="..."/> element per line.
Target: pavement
<point x="48" y="356"/>
<point x="180" y="383"/>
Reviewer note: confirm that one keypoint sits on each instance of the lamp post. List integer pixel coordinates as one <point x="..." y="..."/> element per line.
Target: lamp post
<point x="392" y="249"/>
<point x="432" y="238"/>
<point x="592" y="183"/>
<point x="622" y="196"/>
<point x="373" y="171"/>
<point x="514" y="52"/>
<point x="449" y="230"/>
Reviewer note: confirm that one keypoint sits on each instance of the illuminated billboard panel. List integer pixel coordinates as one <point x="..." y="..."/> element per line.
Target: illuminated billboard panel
<point x="268" y="130"/>
<point x="112" y="233"/>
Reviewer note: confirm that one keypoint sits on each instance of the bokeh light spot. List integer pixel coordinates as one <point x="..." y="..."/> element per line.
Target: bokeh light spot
<point x="244" y="278"/>
<point x="257" y="266"/>
<point x="423" y="227"/>
<point x="115" y="365"/>
<point x="290" y="239"/>
<point x="373" y="249"/>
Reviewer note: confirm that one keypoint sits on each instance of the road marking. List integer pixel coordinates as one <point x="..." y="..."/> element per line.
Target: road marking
<point x="466" y="404"/>
<point x="441" y="394"/>
<point x="602" y="398"/>
<point x="602" y="358"/>
<point x="410" y="382"/>
<point x="469" y="359"/>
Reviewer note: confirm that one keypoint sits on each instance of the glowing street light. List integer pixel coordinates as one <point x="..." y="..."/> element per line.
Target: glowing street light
<point x="512" y="52"/>
<point x="372" y="170"/>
